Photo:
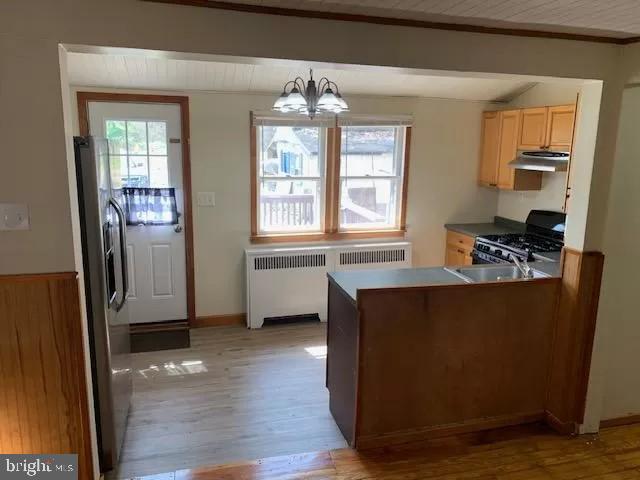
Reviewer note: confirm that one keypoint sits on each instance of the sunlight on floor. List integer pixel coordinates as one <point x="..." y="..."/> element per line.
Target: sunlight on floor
<point x="186" y="367"/>
<point x="318" y="352"/>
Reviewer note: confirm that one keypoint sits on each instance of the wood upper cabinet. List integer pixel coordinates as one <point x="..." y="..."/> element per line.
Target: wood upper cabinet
<point x="488" y="174"/>
<point x="560" y="122"/>
<point x="500" y="146"/>
<point x="508" y="147"/>
<point x="507" y="131"/>
<point x="547" y="127"/>
<point x="533" y="132"/>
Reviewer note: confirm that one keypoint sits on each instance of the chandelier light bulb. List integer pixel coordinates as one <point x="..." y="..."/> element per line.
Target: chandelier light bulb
<point x="310" y="98"/>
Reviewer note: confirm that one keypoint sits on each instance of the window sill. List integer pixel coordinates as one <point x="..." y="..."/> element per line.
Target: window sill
<point x="318" y="237"/>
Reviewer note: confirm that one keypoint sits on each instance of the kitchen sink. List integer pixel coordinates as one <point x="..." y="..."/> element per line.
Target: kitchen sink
<point x="491" y="273"/>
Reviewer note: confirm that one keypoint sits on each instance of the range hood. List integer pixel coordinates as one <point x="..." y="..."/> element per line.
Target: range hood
<point x="541" y="161"/>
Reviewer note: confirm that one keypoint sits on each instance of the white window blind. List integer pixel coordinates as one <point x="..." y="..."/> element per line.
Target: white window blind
<point x="274" y="119"/>
<point x="351" y="120"/>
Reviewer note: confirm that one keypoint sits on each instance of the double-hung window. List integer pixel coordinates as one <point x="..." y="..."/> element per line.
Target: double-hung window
<point x="290" y="179"/>
<point x="328" y="178"/>
<point x="371" y="176"/>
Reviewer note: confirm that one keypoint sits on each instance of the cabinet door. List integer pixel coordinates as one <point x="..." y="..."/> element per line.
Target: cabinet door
<point x="489" y="154"/>
<point x="455" y="256"/>
<point x="451" y="256"/>
<point x="560" y="127"/>
<point x="509" y="130"/>
<point x="533" y="129"/>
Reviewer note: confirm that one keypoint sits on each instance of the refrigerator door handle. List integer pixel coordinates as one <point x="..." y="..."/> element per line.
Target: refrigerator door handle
<point x="124" y="264"/>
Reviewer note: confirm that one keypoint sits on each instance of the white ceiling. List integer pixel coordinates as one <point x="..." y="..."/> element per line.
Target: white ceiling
<point x="614" y="18"/>
<point x="144" y="72"/>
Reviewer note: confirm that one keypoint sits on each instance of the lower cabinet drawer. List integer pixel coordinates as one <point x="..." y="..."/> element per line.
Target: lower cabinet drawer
<point x="459" y="249"/>
<point x="460" y="240"/>
<point x="457" y="256"/>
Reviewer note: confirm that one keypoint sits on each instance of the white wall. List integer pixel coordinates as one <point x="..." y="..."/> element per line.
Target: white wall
<point x="615" y="387"/>
<point x="619" y="309"/>
<point x="34" y="171"/>
<point x="442" y="182"/>
<point x="516" y="205"/>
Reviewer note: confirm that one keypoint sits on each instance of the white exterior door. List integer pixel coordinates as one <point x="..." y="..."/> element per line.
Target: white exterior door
<point x="146" y="151"/>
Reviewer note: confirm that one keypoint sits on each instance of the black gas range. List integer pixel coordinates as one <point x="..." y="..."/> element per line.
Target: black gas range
<point x="544" y="234"/>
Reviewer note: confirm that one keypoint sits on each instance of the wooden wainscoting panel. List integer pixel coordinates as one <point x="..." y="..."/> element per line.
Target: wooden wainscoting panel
<point x="573" y="339"/>
<point x="220" y="320"/>
<point x="44" y="406"/>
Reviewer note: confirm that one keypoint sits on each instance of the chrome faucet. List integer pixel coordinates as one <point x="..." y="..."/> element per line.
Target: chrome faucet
<point x="523" y="266"/>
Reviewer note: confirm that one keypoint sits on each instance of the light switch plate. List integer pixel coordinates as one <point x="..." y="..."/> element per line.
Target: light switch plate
<point x="206" y="199"/>
<point x="14" y="216"/>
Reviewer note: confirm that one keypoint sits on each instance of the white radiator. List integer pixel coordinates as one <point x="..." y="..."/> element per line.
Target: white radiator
<point x="372" y="255"/>
<point x="293" y="281"/>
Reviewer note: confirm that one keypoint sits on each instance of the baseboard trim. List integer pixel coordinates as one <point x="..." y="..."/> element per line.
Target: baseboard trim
<point x="564" y="428"/>
<point x="620" y="421"/>
<point x="407" y="436"/>
<point x="219" y="320"/>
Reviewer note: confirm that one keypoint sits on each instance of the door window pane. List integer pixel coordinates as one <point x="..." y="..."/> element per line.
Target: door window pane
<point x="119" y="170"/>
<point x="138" y="171"/>
<point x="117" y="135"/>
<point x="158" y="171"/>
<point x="138" y="151"/>
<point x="157" y="138"/>
<point x="136" y="138"/>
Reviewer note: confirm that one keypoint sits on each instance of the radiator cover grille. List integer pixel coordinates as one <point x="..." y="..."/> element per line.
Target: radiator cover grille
<point x="360" y="257"/>
<point x="281" y="262"/>
<point x="289" y="281"/>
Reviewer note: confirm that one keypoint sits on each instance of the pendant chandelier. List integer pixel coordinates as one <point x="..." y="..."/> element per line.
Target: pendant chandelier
<point x="310" y="100"/>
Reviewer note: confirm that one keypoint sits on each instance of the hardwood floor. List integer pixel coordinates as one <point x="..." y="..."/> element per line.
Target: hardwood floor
<point x="520" y="453"/>
<point x="236" y="394"/>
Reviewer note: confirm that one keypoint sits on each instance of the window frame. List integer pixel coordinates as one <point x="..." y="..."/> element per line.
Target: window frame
<point x="321" y="179"/>
<point x="330" y="218"/>
<point x="399" y="153"/>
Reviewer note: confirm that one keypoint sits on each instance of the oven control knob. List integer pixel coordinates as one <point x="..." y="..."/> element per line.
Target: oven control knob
<point x="498" y="252"/>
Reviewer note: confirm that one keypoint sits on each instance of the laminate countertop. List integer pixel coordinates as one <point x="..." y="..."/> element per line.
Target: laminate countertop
<point x="351" y="281"/>
<point x="499" y="226"/>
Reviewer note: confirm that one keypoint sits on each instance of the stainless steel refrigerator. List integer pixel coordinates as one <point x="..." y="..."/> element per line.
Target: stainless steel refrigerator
<point x="104" y="252"/>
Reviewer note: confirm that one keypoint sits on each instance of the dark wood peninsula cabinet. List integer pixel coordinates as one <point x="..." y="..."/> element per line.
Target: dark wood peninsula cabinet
<point x="414" y="362"/>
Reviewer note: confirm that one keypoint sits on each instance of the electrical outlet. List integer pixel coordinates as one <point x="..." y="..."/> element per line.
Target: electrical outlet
<point x="206" y="199"/>
<point x="14" y="216"/>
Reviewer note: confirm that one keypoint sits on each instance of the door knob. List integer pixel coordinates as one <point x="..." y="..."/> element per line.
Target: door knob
<point x="177" y="228"/>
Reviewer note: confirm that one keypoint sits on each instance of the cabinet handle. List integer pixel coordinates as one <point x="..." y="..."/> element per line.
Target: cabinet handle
<point x="461" y="251"/>
<point x="493" y="184"/>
